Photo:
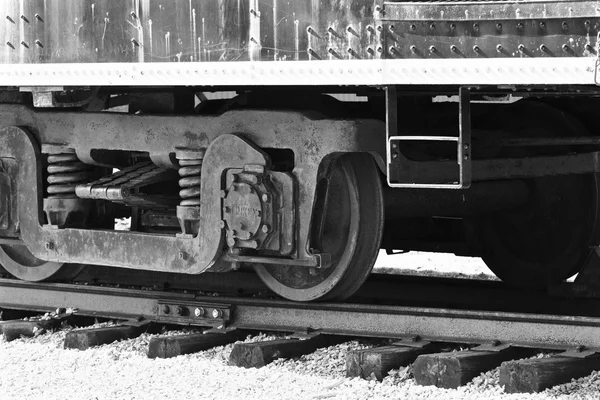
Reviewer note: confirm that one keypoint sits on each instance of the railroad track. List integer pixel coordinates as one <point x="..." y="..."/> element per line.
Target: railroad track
<point x="492" y="337"/>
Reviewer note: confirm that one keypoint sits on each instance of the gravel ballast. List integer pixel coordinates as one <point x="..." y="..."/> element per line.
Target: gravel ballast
<point x="39" y="368"/>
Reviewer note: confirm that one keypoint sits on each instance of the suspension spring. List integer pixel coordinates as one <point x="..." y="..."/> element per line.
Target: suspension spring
<point x="190" y="169"/>
<point x="65" y="171"/>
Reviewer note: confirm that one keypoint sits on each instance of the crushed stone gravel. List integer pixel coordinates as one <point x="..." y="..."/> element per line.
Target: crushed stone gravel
<point x="40" y="368"/>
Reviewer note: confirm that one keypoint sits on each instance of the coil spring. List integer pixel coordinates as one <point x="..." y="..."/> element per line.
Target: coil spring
<point x="65" y="171"/>
<point x="190" y="171"/>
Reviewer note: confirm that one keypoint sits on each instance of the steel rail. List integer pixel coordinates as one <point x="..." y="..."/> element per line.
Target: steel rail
<point x="539" y="331"/>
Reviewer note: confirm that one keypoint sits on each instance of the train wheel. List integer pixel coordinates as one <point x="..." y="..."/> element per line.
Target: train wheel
<point x="19" y="262"/>
<point x="353" y="225"/>
<point x="549" y="239"/>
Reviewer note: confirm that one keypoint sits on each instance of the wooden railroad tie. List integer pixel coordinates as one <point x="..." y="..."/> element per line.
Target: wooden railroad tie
<point x="379" y="361"/>
<point x="259" y="354"/>
<point x="538" y="374"/>
<point x="173" y="346"/>
<point x="85" y="338"/>
<point x="453" y="369"/>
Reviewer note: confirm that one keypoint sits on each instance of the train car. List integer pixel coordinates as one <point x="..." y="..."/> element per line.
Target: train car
<point x="298" y="138"/>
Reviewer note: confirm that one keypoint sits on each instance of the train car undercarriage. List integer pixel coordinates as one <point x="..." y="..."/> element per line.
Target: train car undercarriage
<point x="298" y="138"/>
<point x="293" y="184"/>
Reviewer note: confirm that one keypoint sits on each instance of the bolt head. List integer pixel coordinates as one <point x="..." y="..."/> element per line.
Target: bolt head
<point x="216" y="313"/>
<point x="177" y="310"/>
<point x="166" y="309"/>
<point x="266" y="228"/>
<point x="49" y="246"/>
<point x="199" y="312"/>
<point x="266" y="198"/>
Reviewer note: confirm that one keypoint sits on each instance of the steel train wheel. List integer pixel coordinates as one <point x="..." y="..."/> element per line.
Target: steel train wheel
<point x="19" y="262"/>
<point x="353" y="226"/>
<point x="549" y="239"/>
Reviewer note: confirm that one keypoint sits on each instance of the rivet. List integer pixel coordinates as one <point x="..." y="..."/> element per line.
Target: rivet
<point x="476" y="26"/>
<point x="565" y="26"/>
<point x="334" y="53"/>
<point x="432" y="26"/>
<point x="432" y="49"/>
<point x="266" y="228"/>
<point x="312" y="32"/>
<point x="520" y="26"/>
<point x="454" y="49"/>
<point x="499" y="48"/>
<point x="333" y="32"/>
<point x="413" y="27"/>
<point x="565" y="47"/>
<point x="476" y="49"/>
<point x="221" y="224"/>
<point x="542" y="25"/>
<point x="352" y="31"/>
<point x="413" y="48"/>
<point x="313" y="53"/>
<point x="499" y="26"/>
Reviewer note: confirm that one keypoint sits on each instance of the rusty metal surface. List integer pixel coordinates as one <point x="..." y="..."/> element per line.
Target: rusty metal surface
<point x="285" y="130"/>
<point x="304" y="42"/>
<point x="540" y="331"/>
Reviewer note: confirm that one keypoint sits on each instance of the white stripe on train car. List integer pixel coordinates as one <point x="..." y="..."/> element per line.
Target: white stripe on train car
<point x="496" y="71"/>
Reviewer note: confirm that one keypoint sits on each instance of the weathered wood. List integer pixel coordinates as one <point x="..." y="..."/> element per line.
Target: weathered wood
<point x="453" y="369"/>
<point x="173" y="346"/>
<point x="535" y="375"/>
<point x="259" y="354"/>
<point x="17" y="328"/>
<point x="379" y="361"/>
<point x="85" y="338"/>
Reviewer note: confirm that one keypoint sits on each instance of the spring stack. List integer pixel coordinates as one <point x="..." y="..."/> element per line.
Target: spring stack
<point x="190" y="171"/>
<point x="65" y="171"/>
